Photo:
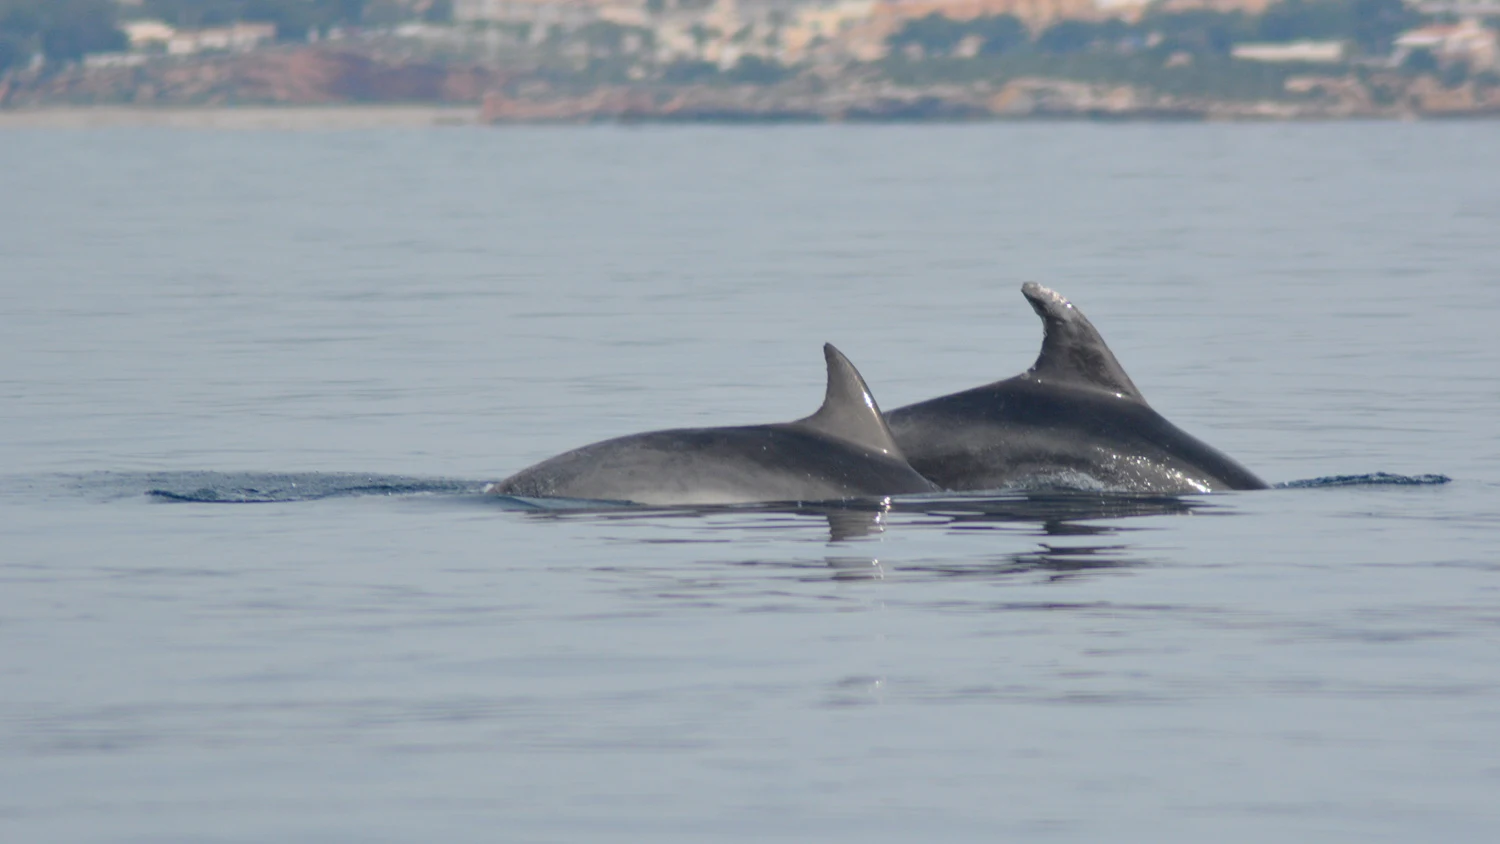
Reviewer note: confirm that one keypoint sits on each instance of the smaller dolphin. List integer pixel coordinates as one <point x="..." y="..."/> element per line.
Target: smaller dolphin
<point x="844" y="450"/>
<point x="1074" y="419"/>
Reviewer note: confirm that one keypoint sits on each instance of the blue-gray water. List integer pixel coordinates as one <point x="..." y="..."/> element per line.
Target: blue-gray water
<point x="199" y="315"/>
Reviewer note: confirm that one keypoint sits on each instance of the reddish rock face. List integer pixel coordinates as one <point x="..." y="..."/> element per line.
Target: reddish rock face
<point x="327" y="76"/>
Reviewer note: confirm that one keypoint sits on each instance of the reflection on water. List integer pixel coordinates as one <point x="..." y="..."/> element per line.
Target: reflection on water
<point x="856" y="519"/>
<point x="1075" y="533"/>
<point x="1055" y="562"/>
<point x="855" y="527"/>
<point x="1060" y="508"/>
<point x="1055" y="514"/>
<point x="853" y="531"/>
<point x="853" y="523"/>
<point x="851" y="527"/>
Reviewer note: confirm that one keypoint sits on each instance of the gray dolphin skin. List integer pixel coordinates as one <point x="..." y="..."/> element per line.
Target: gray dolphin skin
<point x="844" y="450"/>
<point x="1074" y="419"/>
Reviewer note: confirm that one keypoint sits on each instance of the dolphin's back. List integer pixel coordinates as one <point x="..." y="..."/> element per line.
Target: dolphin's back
<point x="1023" y="433"/>
<point x="844" y="450"/>
<point x="704" y="466"/>
<point x="1073" y="419"/>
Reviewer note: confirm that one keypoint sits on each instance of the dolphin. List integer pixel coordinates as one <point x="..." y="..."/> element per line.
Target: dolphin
<point x="1074" y="419"/>
<point x="844" y="450"/>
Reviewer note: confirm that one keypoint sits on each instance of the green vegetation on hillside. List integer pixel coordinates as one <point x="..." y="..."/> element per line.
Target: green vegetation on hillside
<point x="1371" y="25"/>
<point x="66" y="30"/>
<point x="58" y="30"/>
<point x="1185" y="53"/>
<point x="1215" y="77"/>
<point x="294" y="19"/>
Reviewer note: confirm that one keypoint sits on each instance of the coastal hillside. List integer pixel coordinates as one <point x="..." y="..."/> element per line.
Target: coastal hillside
<point x="766" y="60"/>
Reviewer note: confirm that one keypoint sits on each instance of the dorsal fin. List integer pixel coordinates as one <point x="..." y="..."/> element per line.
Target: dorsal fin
<point x="849" y="411"/>
<point x="1072" y="350"/>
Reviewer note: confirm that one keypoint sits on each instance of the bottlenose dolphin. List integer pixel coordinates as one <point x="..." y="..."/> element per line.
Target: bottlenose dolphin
<point x="1074" y="419"/>
<point x="844" y="450"/>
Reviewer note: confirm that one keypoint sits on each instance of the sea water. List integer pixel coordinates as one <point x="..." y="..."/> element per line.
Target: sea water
<point x="252" y="382"/>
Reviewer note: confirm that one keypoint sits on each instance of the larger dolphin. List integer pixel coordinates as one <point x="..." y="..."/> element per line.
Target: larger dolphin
<point x="1074" y="419"/>
<point x="844" y="450"/>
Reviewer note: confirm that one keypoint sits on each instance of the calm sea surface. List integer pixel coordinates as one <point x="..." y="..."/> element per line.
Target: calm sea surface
<point x="249" y="383"/>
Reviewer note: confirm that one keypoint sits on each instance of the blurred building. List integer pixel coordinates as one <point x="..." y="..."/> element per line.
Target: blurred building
<point x="845" y="29"/>
<point x="146" y="35"/>
<point x="1461" y="8"/>
<point x="1304" y="52"/>
<point x="1249" y="7"/>
<point x="158" y="36"/>
<point x="565" y="13"/>
<point x="236" y="37"/>
<point x="1467" y="41"/>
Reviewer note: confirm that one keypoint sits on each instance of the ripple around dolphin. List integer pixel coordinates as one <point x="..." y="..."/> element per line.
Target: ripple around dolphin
<point x="1059" y="512"/>
<point x="208" y="487"/>
<point x="971" y="509"/>
<point x="968" y="508"/>
<point x="1369" y="479"/>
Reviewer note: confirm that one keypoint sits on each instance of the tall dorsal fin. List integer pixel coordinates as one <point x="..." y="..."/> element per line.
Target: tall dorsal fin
<point x="1072" y="350"/>
<point x="849" y="411"/>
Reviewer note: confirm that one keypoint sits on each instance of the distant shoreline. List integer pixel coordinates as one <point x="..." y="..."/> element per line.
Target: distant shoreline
<point x="290" y="117"/>
<point x="313" y="118"/>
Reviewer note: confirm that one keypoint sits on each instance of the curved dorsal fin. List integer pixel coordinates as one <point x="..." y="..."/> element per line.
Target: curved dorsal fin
<point x="1072" y="350"/>
<point x="849" y="411"/>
